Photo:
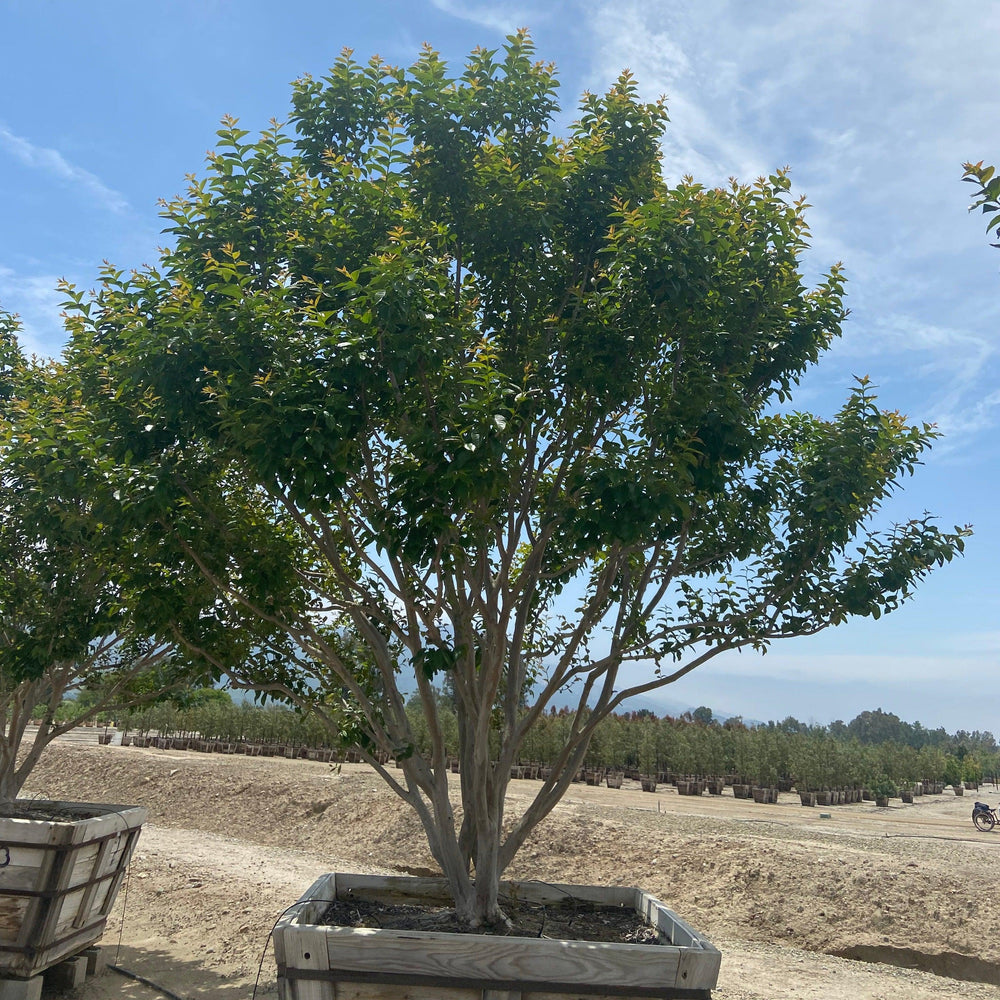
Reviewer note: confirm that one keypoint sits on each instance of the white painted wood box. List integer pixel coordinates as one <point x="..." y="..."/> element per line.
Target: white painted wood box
<point x="318" y="962"/>
<point x="59" y="879"/>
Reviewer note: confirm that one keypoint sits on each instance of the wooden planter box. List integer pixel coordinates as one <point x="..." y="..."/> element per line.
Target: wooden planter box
<point x="62" y="880"/>
<point x="318" y="962"/>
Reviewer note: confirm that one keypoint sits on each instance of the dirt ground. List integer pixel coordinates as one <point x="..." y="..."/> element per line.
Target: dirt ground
<point x="231" y="841"/>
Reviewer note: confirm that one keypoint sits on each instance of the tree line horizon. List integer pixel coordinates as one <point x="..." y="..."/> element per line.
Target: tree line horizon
<point x="874" y="748"/>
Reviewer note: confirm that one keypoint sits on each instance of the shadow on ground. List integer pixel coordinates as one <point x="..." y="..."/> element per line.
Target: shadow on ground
<point x="947" y="963"/>
<point x="149" y="974"/>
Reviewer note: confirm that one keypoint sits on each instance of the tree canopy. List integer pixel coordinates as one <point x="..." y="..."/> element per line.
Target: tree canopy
<point x="499" y="406"/>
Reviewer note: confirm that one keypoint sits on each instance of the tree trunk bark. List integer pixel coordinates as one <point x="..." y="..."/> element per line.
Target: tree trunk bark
<point x="16" y="714"/>
<point x="488" y="877"/>
<point x="9" y="785"/>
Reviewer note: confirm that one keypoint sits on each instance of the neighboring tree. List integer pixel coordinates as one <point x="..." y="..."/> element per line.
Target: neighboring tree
<point x="91" y="617"/>
<point x="877" y="727"/>
<point x="987" y="199"/>
<point x="518" y="408"/>
<point x="207" y="696"/>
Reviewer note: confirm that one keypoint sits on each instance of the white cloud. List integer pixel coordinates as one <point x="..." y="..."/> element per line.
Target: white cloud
<point x="38" y="302"/>
<point x="960" y="423"/>
<point x="978" y="642"/>
<point x="53" y="163"/>
<point x="503" y="17"/>
<point x="850" y="668"/>
<point x="874" y="106"/>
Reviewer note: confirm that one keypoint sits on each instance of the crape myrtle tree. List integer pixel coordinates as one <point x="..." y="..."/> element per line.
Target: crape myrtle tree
<point x="89" y="605"/>
<point x="518" y="409"/>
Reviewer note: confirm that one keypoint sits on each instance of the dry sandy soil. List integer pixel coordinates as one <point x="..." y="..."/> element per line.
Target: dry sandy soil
<point x="232" y="841"/>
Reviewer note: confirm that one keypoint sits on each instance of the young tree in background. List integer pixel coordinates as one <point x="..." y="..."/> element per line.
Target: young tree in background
<point x="91" y="603"/>
<point x="518" y="407"/>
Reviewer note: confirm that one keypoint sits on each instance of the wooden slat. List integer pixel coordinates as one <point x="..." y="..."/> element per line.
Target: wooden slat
<point x="67" y="913"/>
<point x="520" y="960"/>
<point x="401" y="889"/>
<point x="699" y="970"/>
<point x="383" y="991"/>
<point x="294" y="927"/>
<point x="673" y="927"/>
<point x="313" y="902"/>
<point x="572" y="996"/>
<point x="107" y="892"/>
<point x="580" y="996"/>
<point x="110" y="819"/>
<point x="557" y="892"/>
<point x="83" y="860"/>
<point x="18" y="876"/>
<point x="393" y="889"/>
<point x="306" y="949"/>
<point x="48" y="909"/>
<point x="673" y="930"/>
<point x="55" y="952"/>
<point x="12" y="911"/>
<point x="117" y="862"/>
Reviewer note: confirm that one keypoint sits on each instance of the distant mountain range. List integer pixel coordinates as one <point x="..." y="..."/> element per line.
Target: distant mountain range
<point x="663" y="706"/>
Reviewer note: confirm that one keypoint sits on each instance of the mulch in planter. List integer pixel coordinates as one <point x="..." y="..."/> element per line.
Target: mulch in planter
<point x="576" y="921"/>
<point x="52" y="812"/>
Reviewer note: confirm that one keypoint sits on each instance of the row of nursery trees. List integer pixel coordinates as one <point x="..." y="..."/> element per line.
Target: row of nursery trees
<point x="812" y="757"/>
<point x="420" y="389"/>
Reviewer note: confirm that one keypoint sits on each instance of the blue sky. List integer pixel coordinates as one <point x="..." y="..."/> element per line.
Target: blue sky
<point x="107" y="106"/>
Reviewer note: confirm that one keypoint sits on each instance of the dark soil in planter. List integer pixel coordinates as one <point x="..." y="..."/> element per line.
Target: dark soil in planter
<point x="577" y="921"/>
<point x="52" y="812"/>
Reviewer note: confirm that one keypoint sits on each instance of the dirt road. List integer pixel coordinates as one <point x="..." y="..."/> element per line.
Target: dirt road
<point x="232" y="841"/>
